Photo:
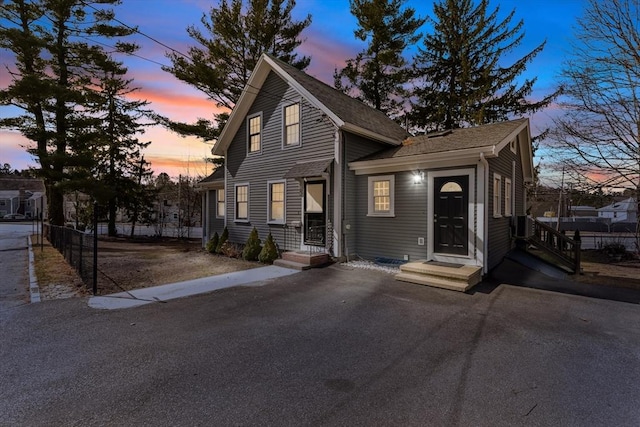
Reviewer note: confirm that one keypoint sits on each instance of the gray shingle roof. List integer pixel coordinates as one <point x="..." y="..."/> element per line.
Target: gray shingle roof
<point x="16" y="183"/>
<point x="453" y="140"/>
<point x="308" y="169"/>
<point x="217" y="175"/>
<point x="348" y="109"/>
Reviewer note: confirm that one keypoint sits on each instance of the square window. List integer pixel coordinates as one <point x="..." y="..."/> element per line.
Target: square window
<point x="277" y="202"/>
<point x="292" y="124"/>
<point x="255" y="130"/>
<point x="381" y="195"/>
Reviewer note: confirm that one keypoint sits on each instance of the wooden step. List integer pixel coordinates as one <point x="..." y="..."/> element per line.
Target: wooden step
<point x="453" y="277"/>
<point x="310" y="259"/>
<point x="291" y="264"/>
<point x="437" y="282"/>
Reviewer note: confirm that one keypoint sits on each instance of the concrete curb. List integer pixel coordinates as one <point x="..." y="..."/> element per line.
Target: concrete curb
<point x="34" y="290"/>
<point x="163" y="293"/>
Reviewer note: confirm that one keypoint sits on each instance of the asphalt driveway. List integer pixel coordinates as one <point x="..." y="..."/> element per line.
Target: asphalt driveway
<point x="326" y="347"/>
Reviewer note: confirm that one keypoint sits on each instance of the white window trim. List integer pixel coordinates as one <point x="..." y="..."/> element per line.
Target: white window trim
<point x="235" y="202"/>
<point x="249" y="152"/>
<point x="284" y="201"/>
<point x="497" y="204"/>
<point x="284" y="125"/>
<point x="218" y="192"/>
<point x="508" y="202"/>
<point x="392" y="184"/>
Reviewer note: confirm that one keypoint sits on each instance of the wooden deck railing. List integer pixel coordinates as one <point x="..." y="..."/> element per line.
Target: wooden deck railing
<point x="563" y="249"/>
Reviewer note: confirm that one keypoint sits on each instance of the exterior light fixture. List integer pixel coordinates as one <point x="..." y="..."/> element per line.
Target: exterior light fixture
<point x="418" y="177"/>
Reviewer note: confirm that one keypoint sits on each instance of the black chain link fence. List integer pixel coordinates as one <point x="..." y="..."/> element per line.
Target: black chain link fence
<point x="77" y="249"/>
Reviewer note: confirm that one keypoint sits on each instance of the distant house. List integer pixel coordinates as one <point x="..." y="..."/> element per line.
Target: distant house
<point x="323" y="172"/>
<point x="583" y="211"/>
<point x="623" y="211"/>
<point x="24" y="196"/>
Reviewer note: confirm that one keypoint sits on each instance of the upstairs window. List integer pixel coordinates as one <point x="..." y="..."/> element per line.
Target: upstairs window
<point x="254" y="125"/>
<point x="292" y="125"/>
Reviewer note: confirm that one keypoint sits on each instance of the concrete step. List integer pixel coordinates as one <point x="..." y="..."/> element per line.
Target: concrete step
<point x="438" y="282"/>
<point x="291" y="264"/>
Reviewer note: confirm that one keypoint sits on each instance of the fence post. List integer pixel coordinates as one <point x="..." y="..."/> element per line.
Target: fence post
<point x="95" y="248"/>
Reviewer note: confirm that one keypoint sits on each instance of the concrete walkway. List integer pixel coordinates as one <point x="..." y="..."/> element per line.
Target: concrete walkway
<point x="163" y="293"/>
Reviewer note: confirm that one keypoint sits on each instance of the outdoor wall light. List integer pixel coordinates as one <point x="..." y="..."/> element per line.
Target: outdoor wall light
<point x="418" y="177"/>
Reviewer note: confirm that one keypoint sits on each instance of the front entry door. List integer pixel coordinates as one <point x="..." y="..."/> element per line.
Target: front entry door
<point x="450" y="214"/>
<point x="315" y="218"/>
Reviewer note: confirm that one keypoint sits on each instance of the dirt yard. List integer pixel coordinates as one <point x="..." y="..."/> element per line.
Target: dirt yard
<point x="125" y="265"/>
<point x="599" y="269"/>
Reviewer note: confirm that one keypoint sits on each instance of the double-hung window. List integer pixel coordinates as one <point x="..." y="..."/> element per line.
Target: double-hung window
<point x="220" y="203"/>
<point x="242" y="202"/>
<point x="381" y="195"/>
<point x="497" y="195"/>
<point x="507" y="197"/>
<point x="292" y="125"/>
<point x="254" y="126"/>
<point x="277" y="202"/>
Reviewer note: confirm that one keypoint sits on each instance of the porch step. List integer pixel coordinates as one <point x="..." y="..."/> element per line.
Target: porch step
<point x="291" y="264"/>
<point x="453" y="278"/>
<point x="305" y="258"/>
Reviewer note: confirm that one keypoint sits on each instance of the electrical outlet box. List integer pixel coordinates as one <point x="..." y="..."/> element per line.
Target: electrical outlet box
<point x="420" y="241"/>
<point x="406" y="257"/>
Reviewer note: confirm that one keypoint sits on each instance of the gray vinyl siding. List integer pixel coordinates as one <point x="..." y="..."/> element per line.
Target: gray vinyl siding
<point x="397" y="236"/>
<point x="273" y="162"/>
<point x="215" y="224"/>
<point x="355" y="147"/>
<point x="500" y="238"/>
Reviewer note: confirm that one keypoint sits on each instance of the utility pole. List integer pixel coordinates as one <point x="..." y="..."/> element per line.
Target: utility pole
<point x="560" y="200"/>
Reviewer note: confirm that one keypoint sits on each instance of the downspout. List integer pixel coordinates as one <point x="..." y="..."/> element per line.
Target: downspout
<point x="485" y="238"/>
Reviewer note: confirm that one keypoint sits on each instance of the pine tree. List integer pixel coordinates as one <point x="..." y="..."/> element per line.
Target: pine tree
<point x="237" y="33"/>
<point x="53" y="74"/>
<point x="463" y="80"/>
<point x="379" y="73"/>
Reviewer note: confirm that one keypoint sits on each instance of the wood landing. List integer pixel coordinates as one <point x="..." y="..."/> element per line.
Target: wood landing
<point x="302" y="260"/>
<point x="440" y="275"/>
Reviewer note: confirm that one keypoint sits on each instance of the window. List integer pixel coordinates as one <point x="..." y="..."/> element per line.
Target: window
<point x="242" y="202"/>
<point x="513" y="145"/>
<point x="497" y="195"/>
<point x="292" y="125"/>
<point x="507" y="197"/>
<point x="276" y="202"/>
<point x="220" y="204"/>
<point x="255" y="129"/>
<point x="381" y="195"/>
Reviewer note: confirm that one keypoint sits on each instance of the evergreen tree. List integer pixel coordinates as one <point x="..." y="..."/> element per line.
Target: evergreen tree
<point x="54" y="73"/>
<point x="379" y="73"/>
<point x="237" y="33"/>
<point x="462" y="77"/>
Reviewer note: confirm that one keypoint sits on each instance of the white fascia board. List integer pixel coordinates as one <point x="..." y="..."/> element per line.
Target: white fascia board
<point x="423" y="161"/>
<point x="236" y="118"/>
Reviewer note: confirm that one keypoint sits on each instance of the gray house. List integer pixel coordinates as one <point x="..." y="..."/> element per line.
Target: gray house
<point x="326" y="174"/>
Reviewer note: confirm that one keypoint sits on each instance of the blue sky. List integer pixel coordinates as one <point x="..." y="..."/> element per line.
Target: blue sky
<point x="329" y="41"/>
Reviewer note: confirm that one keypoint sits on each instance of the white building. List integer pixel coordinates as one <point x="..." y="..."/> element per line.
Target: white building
<point x="624" y="211"/>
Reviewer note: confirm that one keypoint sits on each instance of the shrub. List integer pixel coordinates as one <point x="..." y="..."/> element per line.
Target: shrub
<point x="212" y="244"/>
<point x="231" y="250"/>
<point x="269" y="252"/>
<point x="252" y="248"/>
<point x="223" y="240"/>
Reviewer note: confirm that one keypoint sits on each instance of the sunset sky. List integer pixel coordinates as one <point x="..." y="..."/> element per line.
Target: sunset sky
<point x="329" y="42"/>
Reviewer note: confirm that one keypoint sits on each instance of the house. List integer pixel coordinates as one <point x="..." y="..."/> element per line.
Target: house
<point x="623" y="211"/>
<point x="324" y="173"/>
<point x="24" y="196"/>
